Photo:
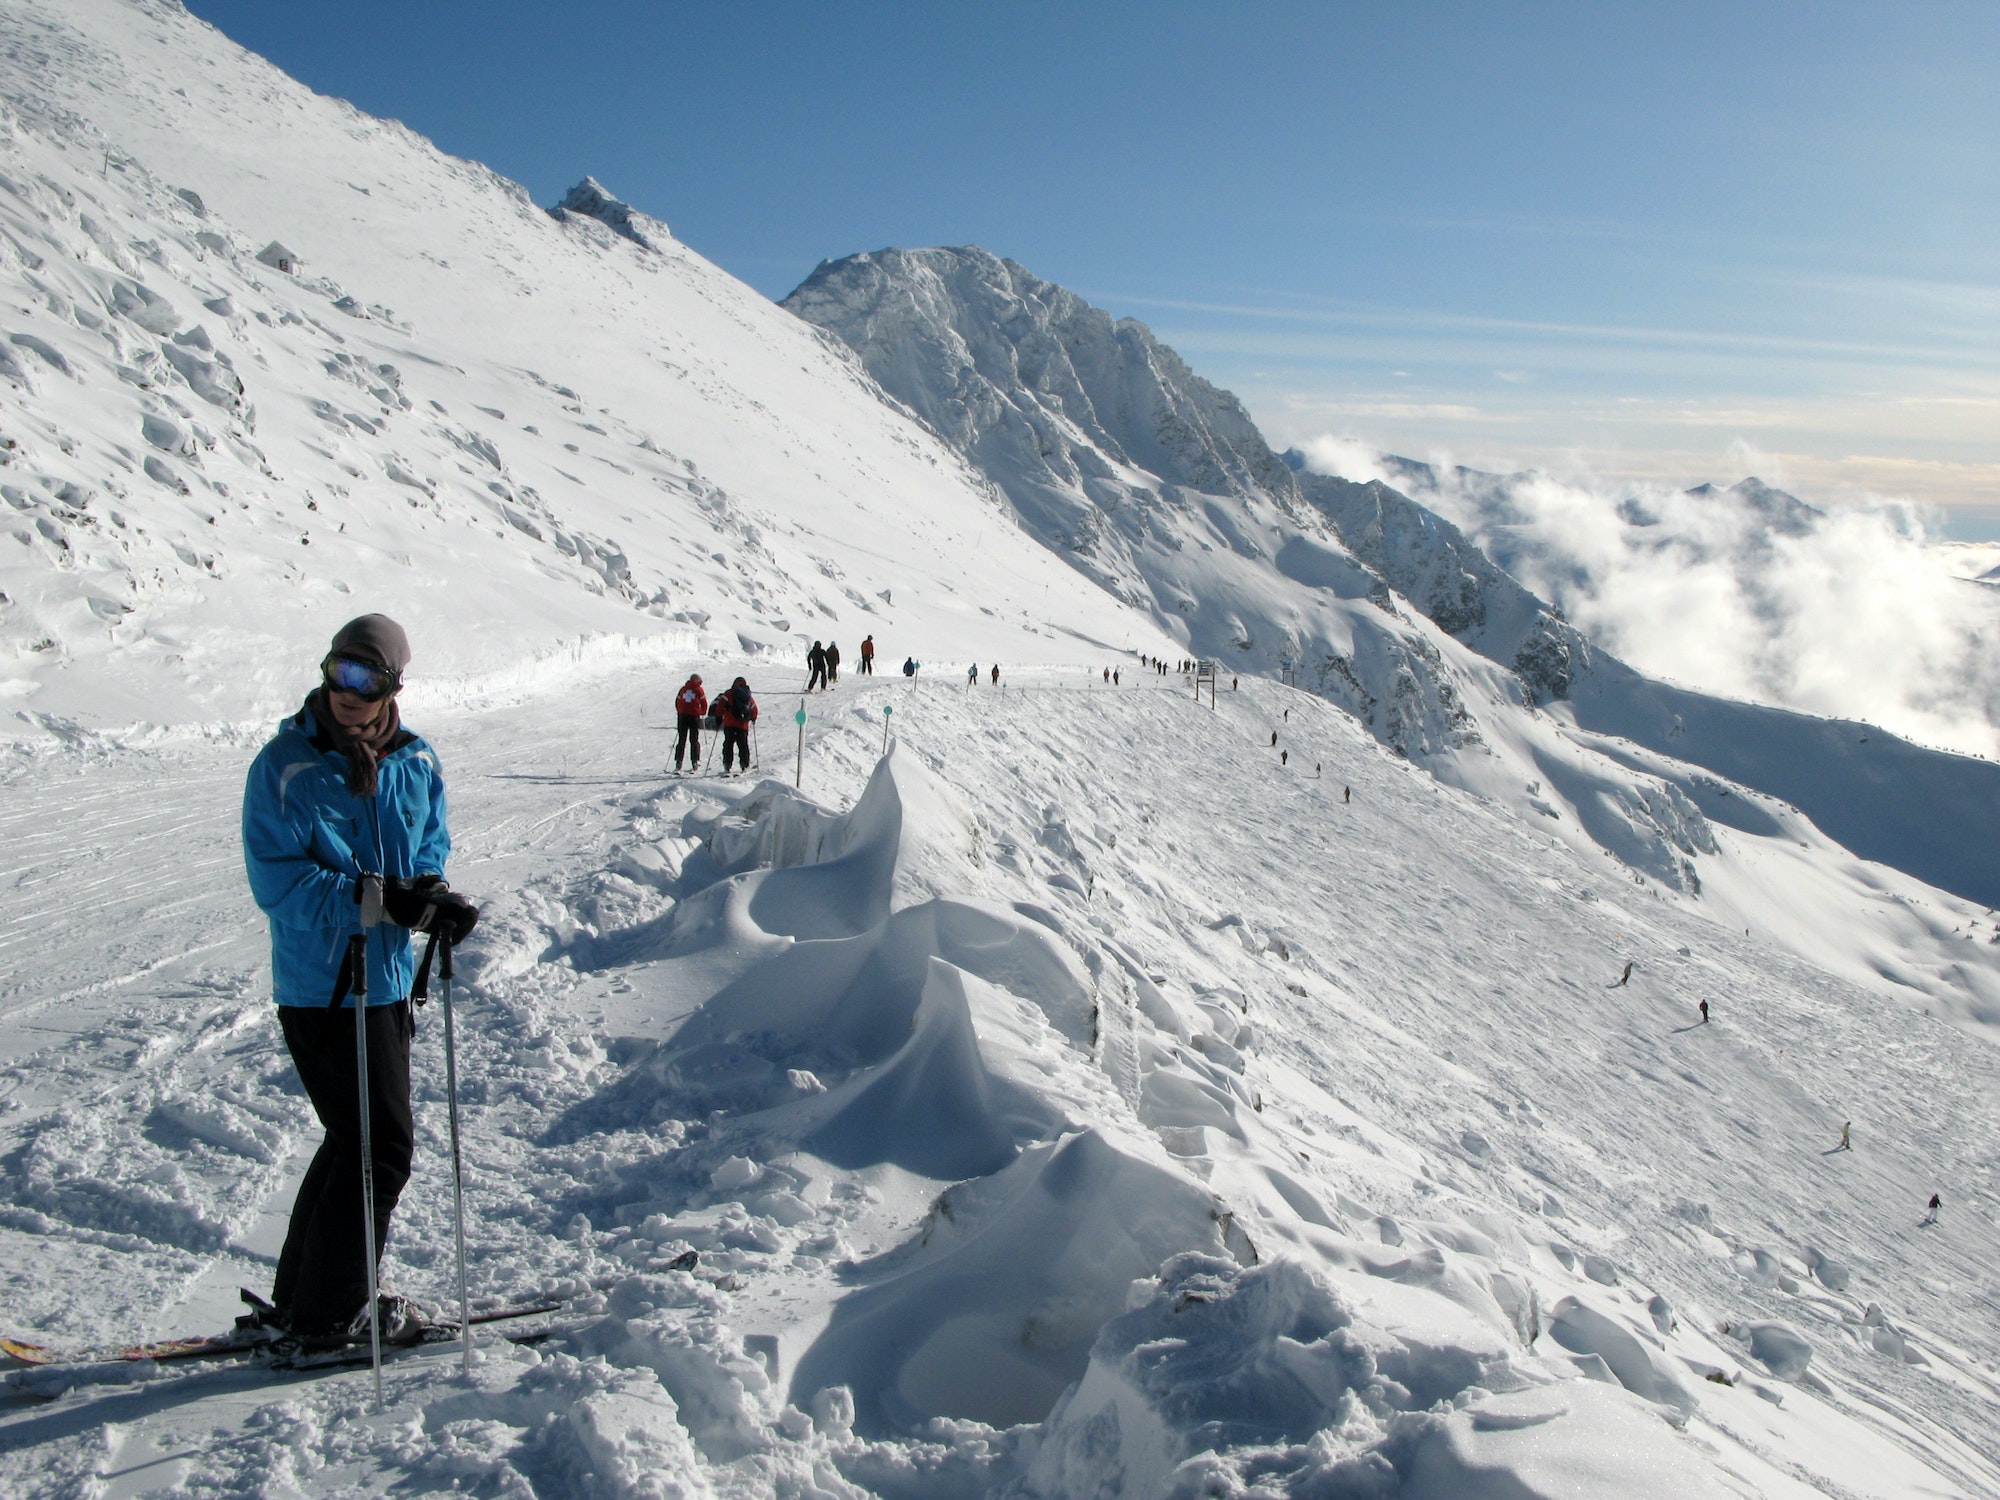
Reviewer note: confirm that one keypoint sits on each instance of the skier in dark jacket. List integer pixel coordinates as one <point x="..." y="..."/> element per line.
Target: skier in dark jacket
<point x="868" y="656"/>
<point x="690" y="703"/>
<point x="344" y="827"/>
<point x="739" y="712"/>
<point x="833" y="661"/>
<point x="816" y="662"/>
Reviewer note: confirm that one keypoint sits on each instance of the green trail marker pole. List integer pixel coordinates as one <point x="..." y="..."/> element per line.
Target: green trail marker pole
<point x="886" y="711"/>
<point x="798" y="776"/>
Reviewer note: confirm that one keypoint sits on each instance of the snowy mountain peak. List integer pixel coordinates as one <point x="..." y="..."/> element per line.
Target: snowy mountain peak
<point x="1785" y="514"/>
<point x="1036" y="380"/>
<point x="590" y="199"/>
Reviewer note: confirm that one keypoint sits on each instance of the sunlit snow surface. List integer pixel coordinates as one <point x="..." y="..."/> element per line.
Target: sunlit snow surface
<point x="1080" y="1101"/>
<point x="1092" y="1061"/>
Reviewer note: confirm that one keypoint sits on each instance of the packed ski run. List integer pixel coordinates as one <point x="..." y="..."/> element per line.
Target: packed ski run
<point x="1424" y="1057"/>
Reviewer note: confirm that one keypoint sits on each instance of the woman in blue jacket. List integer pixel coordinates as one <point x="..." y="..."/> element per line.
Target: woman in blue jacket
<point x="344" y="796"/>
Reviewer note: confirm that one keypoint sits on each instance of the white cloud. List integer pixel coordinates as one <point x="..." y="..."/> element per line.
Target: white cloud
<point x="1856" y="612"/>
<point x="1344" y="457"/>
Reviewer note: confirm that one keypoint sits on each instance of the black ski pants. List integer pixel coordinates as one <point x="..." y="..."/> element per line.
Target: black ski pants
<point x="867" y="668"/>
<point x="687" y="742"/>
<point x="817" y="679"/>
<point x="735" y="737"/>
<point x="322" y="1279"/>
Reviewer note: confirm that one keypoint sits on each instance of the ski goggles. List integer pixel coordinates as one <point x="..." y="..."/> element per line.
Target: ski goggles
<point x="364" y="679"/>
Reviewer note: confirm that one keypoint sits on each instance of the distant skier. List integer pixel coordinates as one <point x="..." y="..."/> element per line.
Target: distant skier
<point x="690" y="703"/>
<point x="1274" y="737"/>
<point x="1846" y="1137"/>
<point x="1107" y="674"/>
<point x="996" y="674"/>
<point x="1931" y="1214"/>
<point x="1626" y="977"/>
<point x="816" y="663"/>
<point x="1114" y="677"/>
<point x="1347" y="794"/>
<point x="833" y="661"/>
<point x="739" y="712"/>
<point x="910" y="667"/>
<point x="867" y="667"/>
<point x="972" y="674"/>
<point x="1704" y="1012"/>
<point x="344" y="825"/>
<point x="1284" y="757"/>
<point x="1232" y="684"/>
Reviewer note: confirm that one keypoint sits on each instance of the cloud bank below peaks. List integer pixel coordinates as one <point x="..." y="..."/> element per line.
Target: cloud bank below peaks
<point x="1745" y="591"/>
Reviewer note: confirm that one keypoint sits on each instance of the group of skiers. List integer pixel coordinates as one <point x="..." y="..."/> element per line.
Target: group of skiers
<point x="733" y="712"/>
<point x="345" y="841"/>
<point x="823" y="664"/>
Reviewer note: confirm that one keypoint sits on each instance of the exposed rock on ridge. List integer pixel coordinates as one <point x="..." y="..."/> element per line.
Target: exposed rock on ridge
<point x="589" y="199"/>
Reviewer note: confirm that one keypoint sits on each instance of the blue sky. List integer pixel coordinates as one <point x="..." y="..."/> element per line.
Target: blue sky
<point x="1664" y="241"/>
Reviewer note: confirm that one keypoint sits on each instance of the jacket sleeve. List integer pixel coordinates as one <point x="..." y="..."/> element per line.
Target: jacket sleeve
<point x="286" y="878"/>
<point x="434" y="847"/>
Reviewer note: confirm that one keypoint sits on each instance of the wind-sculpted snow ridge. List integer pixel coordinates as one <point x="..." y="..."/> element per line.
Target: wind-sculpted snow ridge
<point x="268" y="362"/>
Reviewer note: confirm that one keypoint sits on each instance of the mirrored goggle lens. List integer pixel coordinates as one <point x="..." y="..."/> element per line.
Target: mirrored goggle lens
<point x="363" y="679"/>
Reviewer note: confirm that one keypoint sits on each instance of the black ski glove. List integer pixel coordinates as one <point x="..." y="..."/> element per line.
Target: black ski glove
<point x="456" y="917"/>
<point x="427" y="904"/>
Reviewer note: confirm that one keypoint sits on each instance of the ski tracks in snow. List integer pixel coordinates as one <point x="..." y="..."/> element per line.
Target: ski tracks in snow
<point x="1291" y="1028"/>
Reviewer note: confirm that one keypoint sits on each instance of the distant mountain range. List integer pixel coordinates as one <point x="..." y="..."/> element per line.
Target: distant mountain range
<point x="1157" y="486"/>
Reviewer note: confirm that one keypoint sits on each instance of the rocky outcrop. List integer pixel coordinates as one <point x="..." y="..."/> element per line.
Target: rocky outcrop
<point x="589" y="199"/>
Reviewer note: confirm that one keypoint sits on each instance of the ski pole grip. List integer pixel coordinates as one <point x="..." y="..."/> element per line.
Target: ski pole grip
<point x="370" y="897"/>
<point x="444" y="956"/>
<point x="357" y="967"/>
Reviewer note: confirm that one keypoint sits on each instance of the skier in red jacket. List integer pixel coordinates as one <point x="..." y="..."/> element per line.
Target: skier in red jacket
<point x="739" y="712"/>
<point x="690" y="703"/>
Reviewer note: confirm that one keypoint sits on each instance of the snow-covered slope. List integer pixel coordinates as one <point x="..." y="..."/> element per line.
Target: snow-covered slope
<point x="1083" y="1097"/>
<point x="1050" y="1111"/>
<point x="1930" y="813"/>
<point x="528" y="435"/>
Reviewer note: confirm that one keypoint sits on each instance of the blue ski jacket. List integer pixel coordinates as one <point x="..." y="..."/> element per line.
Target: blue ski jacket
<point x="307" y="839"/>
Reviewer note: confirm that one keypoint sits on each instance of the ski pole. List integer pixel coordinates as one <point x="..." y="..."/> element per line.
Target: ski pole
<point x="357" y="958"/>
<point x="457" y="1165"/>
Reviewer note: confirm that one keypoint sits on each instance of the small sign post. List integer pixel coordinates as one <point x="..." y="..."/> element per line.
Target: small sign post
<point x="798" y="776"/>
<point x="886" y="711"/>
<point x="1204" y="671"/>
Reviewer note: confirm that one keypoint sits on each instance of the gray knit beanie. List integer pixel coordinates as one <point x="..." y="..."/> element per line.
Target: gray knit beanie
<point x="375" y="638"/>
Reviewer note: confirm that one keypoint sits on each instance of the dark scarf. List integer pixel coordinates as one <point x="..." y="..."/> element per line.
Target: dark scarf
<point x="362" y="747"/>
